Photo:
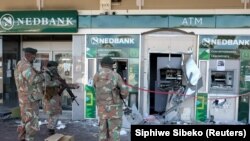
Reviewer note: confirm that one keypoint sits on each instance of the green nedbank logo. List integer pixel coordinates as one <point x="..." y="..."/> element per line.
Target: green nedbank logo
<point x="96" y="40"/>
<point x="208" y="42"/>
<point x="7" y="21"/>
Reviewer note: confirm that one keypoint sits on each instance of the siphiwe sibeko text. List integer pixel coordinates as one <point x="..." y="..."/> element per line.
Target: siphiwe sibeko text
<point x="196" y="132"/>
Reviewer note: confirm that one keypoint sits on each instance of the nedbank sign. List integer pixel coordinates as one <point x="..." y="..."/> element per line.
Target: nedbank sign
<point x="224" y="41"/>
<point x="38" y="21"/>
<point x="96" y="40"/>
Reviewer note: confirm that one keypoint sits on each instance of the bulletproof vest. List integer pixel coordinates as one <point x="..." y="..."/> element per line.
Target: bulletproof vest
<point x="50" y="91"/>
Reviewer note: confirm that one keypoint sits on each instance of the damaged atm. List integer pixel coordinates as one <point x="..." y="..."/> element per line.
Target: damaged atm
<point x="169" y="81"/>
<point x="165" y="55"/>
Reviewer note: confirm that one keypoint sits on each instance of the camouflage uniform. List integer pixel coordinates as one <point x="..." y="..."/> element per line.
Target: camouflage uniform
<point x="108" y="84"/>
<point x="52" y="103"/>
<point x="29" y="86"/>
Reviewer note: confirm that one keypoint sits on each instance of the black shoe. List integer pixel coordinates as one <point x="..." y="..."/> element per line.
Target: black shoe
<point x="51" y="131"/>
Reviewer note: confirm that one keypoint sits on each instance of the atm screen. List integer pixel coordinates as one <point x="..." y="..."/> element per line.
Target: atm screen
<point x="222" y="79"/>
<point x="170" y="73"/>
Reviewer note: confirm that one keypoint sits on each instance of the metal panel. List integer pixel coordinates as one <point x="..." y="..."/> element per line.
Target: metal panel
<point x="223" y="112"/>
<point x="203" y="68"/>
<point x="78" y="52"/>
<point x="1" y="70"/>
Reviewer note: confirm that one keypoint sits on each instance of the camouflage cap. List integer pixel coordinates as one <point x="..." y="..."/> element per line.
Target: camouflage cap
<point x="30" y="50"/>
<point x="107" y="60"/>
<point x="52" y="63"/>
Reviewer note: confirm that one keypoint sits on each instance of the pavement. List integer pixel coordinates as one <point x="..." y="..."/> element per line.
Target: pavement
<point x="84" y="130"/>
<point x="81" y="130"/>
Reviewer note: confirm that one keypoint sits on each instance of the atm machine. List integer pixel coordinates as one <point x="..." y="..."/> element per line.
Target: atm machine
<point x="169" y="80"/>
<point x="223" y="88"/>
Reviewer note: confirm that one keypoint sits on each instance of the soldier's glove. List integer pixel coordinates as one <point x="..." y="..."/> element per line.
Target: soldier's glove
<point x="127" y="111"/>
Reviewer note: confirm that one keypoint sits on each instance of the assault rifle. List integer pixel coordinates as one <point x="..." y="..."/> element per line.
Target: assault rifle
<point x="64" y="86"/>
<point x="127" y="110"/>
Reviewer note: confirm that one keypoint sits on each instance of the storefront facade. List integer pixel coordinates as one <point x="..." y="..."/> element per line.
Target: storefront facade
<point x="169" y="36"/>
<point x="136" y="44"/>
<point x="50" y="32"/>
<point x="124" y="49"/>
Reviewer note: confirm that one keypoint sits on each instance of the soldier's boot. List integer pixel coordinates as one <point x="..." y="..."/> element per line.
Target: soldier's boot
<point x="51" y="131"/>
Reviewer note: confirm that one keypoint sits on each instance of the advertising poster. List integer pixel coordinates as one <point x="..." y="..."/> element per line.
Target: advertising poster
<point x="221" y="65"/>
<point x="201" y="107"/>
<point x="90" y="102"/>
<point x="244" y="85"/>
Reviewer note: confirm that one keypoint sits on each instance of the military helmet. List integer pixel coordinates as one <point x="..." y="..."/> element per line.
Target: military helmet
<point x="52" y="63"/>
<point x="30" y="50"/>
<point x="107" y="60"/>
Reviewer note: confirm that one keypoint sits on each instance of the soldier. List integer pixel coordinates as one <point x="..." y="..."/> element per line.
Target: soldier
<point x="109" y="88"/>
<point x="52" y="103"/>
<point x="29" y="86"/>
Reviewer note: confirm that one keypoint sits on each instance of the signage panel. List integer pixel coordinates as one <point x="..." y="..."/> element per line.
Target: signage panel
<point x="192" y="21"/>
<point x="38" y="21"/>
<point x="122" y="46"/>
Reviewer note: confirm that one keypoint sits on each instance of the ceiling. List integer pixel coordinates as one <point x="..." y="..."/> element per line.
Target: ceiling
<point x="10" y="5"/>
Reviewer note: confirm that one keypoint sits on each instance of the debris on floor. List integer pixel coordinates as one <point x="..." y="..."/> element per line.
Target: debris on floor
<point x="60" y="125"/>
